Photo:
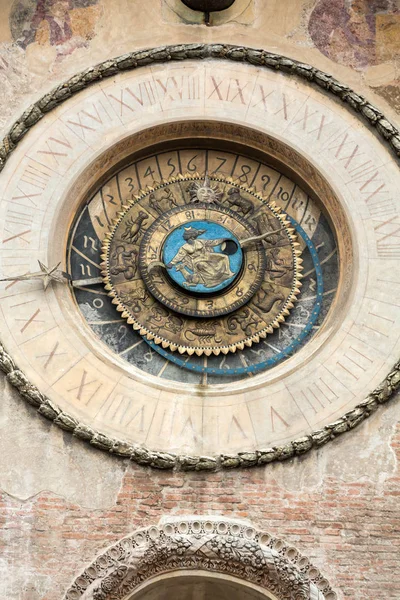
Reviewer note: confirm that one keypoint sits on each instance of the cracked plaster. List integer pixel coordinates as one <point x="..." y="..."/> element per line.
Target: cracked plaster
<point x="375" y="462"/>
<point x="37" y="457"/>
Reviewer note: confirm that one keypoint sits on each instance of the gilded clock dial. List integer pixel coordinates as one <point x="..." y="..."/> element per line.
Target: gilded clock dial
<point x="190" y="290"/>
<point x="206" y="247"/>
<point x="204" y="270"/>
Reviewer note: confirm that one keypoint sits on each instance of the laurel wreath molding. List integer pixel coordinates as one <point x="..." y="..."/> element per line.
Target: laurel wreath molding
<point x="208" y="544"/>
<point x="355" y="103"/>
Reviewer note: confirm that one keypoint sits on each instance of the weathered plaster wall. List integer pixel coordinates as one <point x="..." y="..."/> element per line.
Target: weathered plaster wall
<point x="356" y="41"/>
<point x="63" y="502"/>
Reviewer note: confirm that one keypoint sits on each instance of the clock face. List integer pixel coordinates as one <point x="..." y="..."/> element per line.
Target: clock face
<point x="250" y="307"/>
<point x="229" y="239"/>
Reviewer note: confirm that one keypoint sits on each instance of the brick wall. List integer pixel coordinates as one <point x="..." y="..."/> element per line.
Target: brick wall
<point x="351" y="531"/>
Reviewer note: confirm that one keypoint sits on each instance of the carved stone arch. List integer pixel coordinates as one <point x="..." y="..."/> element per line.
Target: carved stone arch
<point x="229" y="547"/>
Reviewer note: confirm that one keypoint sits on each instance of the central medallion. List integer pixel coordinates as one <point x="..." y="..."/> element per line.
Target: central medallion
<point x="202" y="256"/>
<point x="204" y="271"/>
<point x="202" y="266"/>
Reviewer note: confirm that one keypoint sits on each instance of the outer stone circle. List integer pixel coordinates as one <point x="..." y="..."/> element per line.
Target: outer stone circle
<point x="389" y="135"/>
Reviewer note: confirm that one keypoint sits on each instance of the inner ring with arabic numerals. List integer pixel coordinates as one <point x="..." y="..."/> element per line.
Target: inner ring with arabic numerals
<point x="204" y="271"/>
<point x="202" y="265"/>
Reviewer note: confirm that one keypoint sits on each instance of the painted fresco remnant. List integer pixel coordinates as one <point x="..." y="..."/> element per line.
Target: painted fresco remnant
<point x="357" y="33"/>
<point x="391" y="93"/>
<point x="15" y="79"/>
<point x="64" y="25"/>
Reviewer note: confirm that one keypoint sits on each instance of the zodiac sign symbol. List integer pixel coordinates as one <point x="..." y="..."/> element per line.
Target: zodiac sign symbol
<point x="266" y="298"/>
<point x="245" y="320"/>
<point x="157" y="204"/>
<point x="153" y="202"/>
<point x="135" y="299"/>
<point x="242" y="205"/>
<point x="134" y="227"/>
<point x="266" y="222"/>
<point x="170" y="198"/>
<point x="205" y="331"/>
<point x="162" y="319"/>
<point x="124" y="262"/>
<point x="277" y="267"/>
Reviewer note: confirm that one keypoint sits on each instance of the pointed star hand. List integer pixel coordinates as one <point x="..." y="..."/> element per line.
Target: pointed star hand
<point x="49" y="274"/>
<point x="46" y="274"/>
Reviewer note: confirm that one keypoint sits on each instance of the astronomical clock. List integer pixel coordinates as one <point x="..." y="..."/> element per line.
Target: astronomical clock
<point x="199" y="256"/>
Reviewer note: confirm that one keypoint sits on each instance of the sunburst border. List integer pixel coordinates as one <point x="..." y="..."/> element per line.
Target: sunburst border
<point x="199" y="350"/>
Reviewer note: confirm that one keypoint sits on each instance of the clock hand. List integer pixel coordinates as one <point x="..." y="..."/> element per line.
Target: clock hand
<point x="90" y="281"/>
<point x="46" y="274"/>
<point x="256" y="238"/>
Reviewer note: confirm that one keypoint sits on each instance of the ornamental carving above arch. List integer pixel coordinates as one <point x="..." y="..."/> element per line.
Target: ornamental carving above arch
<point x="210" y="544"/>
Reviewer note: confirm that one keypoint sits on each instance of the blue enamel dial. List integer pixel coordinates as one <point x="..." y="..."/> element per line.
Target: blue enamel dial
<point x="202" y="256"/>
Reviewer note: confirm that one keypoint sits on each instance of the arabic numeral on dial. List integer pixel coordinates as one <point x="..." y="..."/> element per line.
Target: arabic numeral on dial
<point x="191" y="166"/>
<point x="173" y="167"/>
<point x="210" y="303"/>
<point x="92" y="241"/>
<point x="153" y="253"/>
<point x="310" y="222"/>
<point x="282" y="195"/>
<point x="148" y="356"/>
<point x="239" y="292"/>
<point x="123" y="332"/>
<point x="243" y="178"/>
<point x="85" y="270"/>
<point x="189" y="214"/>
<point x="304" y="313"/>
<point x="222" y="162"/>
<point x="98" y="303"/>
<point x="129" y="183"/>
<point x="251" y="267"/>
<point x="149" y="172"/>
<point x="267" y="180"/>
<point x="284" y="334"/>
<point x="223" y="365"/>
<point x="297" y="203"/>
<point x="111" y="199"/>
<point x="167" y="225"/>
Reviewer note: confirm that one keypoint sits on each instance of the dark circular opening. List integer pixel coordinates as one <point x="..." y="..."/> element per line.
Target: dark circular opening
<point x="208" y="6"/>
<point x="229" y="247"/>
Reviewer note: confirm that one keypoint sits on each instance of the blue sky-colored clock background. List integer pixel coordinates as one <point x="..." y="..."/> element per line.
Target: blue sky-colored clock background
<point x="175" y="241"/>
